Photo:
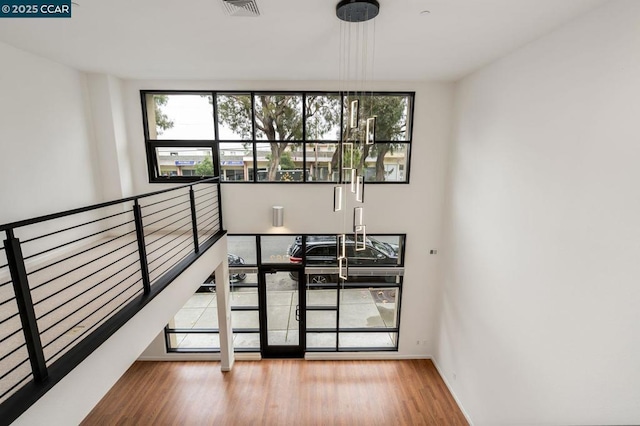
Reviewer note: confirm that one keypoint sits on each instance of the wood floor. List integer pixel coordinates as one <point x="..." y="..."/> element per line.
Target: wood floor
<point x="279" y="392"/>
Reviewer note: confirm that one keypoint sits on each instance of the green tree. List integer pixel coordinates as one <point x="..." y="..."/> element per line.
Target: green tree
<point x="278" y="119"/>
<point x="391" y="125"/>
<point x="286" y="162"/>
<point x="205" y="167"/>
<point x="162" y="120"/>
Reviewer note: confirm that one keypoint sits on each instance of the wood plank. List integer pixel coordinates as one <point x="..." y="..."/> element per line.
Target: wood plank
<point x="279" y="392"/>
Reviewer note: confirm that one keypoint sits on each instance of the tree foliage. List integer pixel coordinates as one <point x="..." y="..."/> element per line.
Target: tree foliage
<point x="278" y="119"/>
<point x="205" y="167"/>
<point x="162" y="120"/>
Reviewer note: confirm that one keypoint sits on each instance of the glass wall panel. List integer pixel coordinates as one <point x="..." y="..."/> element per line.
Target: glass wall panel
<point x="391" y="113"/>
<point x="322" y="296"/>
<point x="384" y="162"/>
<point x="205" y="342"/>
<point x="279" y="162"/>
<point x="323" y="117"/>
<point x="322" y="162"/>
<point x="321" y="341"/>
<point x="185" y="161"/>
<point x="321" y="319"/>
<point x="368" y="307"/>
<point x="236" y="161"/>
<point x="245" y="319"/>
<point x="278" y="117"/>
<point x="367" y="340"/>
<point x="278" y="248"/>
<point x="246" y="341"/>
<point x="234" y="116"/>
<point x="200" y="311"/>
<point x="180" y="116"/>
<point x="243" y="246"/>
<point x="244" y="297"/>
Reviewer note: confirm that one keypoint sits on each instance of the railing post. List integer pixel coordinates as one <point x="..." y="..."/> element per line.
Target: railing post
<point x="219" y="205"/>
<point x="142" y="248"/>
<point x="194" y="220"/>
<point x="25" y="307"/>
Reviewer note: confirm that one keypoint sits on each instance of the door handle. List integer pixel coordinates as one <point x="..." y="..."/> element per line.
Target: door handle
<point x="298" y="313"/>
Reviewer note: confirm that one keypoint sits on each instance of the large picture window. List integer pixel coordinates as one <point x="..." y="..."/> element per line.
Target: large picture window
<point x="283" y="137"/>
<point x="359" y="314"/>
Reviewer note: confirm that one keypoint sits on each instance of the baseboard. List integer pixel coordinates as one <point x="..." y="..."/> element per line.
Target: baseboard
<point x="455" y="397"/>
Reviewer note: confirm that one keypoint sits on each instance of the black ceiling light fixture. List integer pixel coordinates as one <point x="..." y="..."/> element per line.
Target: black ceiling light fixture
<point x="357" y="10"/>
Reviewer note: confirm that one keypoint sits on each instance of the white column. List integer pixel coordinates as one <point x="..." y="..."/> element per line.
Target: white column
<point x="223" y="297"/>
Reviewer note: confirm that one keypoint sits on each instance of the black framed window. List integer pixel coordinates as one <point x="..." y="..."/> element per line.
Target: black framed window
<point x="281" y="137"/>
<point x="359" y="314"/>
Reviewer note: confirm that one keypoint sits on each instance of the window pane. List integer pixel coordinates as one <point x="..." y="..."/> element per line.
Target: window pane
<point x="234" y="116"/>
<point x="278" y="117"/>
<point x="200" y="311"/>
<point x="321" y="340"/>
<point x="390" y="111"/>
<point x="243" y="246"/>
<point x="185" y="161"/>
<point x="275" y="165"/>
<point x="321" y="319"/>
<point x="321" y="250"/>
<point x="245" y="319"/>
<point x="385" y="162"/>
<point x="322" y="162"/>
<point x="365" y="308"/>
<point x="246" y="341"/>
<point x="323" y="117"/>
<point x="244" y="297"/>
<point x="277" y="248"/>
<point x="204" y="341"/>
<point x="322" y="297"/>
<point x="367" y="340"/>
<point x="387" y="244"/>
<point x="236" y="159"/>
<point x="180" y="117"/>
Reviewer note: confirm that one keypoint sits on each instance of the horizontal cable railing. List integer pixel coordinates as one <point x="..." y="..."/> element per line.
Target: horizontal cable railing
<point x="68" y="280"/>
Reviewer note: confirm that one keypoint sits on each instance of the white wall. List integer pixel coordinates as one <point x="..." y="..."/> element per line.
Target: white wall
<point x="48" y="163"/>
<point x="110" y="135"/>
<point x="541" y="294"/>
<point x="414" y="209"/>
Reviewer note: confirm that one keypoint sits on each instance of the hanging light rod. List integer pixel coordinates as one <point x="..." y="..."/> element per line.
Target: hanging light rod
<point x="357" y="10"/>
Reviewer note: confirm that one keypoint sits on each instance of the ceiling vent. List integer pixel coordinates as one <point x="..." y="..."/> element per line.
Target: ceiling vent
<point x="241" y="7"/>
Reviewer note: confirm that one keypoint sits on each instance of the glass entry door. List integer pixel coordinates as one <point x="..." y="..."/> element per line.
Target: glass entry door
<point x="282" y="311"/>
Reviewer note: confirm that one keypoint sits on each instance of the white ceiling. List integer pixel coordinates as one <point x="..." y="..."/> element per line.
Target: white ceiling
<point x="291" y="40"/>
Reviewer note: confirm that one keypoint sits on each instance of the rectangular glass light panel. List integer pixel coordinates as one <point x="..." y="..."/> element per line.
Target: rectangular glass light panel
<point x="371" y="131"/>
<point x="353" y="117"/>
<point x="337" y="198"/>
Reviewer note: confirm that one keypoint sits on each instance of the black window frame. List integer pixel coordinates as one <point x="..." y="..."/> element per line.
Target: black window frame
<point x="153" y="169"/>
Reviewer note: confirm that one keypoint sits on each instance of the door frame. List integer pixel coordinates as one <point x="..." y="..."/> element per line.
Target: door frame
<point x="281" y="351"/>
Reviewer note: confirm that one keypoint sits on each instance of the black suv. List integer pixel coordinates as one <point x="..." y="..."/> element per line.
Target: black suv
<point x="322" y="250"/>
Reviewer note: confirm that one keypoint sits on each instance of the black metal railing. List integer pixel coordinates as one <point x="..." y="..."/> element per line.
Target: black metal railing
<point x="70" y="280"/>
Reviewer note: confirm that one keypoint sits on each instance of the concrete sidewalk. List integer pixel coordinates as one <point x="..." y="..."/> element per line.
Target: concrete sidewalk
<point x="359" y="308"/>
